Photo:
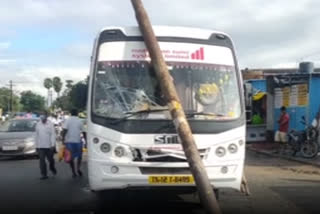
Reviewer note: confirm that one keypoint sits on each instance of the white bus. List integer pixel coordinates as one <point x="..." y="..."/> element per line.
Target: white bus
<point x="132" y="141"/>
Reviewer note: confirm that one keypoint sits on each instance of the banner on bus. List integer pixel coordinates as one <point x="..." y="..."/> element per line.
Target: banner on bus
<point x="176" y="52"/>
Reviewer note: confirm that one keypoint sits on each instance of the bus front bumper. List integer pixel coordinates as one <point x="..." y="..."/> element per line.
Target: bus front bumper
<point x="104" y="176"/>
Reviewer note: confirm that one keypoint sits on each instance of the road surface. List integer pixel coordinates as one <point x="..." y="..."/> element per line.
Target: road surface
<point x="277" y="186"/>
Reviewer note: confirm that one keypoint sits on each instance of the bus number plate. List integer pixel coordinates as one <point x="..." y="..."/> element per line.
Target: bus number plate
<point x="177" y="179"/>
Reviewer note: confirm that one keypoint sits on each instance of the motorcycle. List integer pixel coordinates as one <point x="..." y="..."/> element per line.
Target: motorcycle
<point x="304" y="141"/>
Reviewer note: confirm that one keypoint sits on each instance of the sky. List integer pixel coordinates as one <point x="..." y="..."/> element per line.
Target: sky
<point x="46" y="38"/>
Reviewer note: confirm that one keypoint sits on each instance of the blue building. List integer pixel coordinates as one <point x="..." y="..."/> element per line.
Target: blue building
<point x="256" y="100"/>
<point x="296" y="89"/>
<point x="298" y="93"/>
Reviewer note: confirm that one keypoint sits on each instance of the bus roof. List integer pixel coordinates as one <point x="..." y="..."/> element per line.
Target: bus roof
<point x="171" y="31"/>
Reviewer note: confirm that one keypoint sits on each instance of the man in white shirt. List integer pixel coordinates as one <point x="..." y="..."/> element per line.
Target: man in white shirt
<point x="71" y="136"/>
<point x="45" y="144"/>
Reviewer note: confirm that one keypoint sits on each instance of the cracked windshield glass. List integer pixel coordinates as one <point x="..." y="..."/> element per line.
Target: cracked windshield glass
<point x="122" y="87"/>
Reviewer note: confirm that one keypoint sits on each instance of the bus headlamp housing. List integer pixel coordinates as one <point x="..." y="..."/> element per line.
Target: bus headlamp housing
<point x="119" y="151"/>
<point x="221" y="151"/>
<point x="241" y="142"/>
<point x="95" y="140"/>
<point x="105" y="147"/>
<point x="233" y="148"/>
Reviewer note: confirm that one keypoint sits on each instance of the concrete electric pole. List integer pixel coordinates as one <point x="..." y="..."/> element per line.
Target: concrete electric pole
<point x="205" y="189"/>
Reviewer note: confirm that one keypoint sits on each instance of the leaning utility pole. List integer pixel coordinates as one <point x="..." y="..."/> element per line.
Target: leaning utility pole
<point x="205" y="189"/>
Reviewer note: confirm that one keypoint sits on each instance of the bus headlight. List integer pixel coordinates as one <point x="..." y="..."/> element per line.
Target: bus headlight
<point x="233" y="148"/>
<point x="114" y="169"/>
<point x="119" y="151"/>
<point x="224" y="169"/>
<point x="95" y="140"/>
<point x="105" y="147"/>
<point x="220" y="151"/>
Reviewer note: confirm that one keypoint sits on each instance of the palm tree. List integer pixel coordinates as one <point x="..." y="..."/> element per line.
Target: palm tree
<point x="47" y="83"/>
<point x="69" y="84"/>
<point x="57" y="85"/>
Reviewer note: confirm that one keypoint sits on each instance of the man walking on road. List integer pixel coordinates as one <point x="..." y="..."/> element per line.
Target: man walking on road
<point x="281" y="134"/>
<point x="45" y="144"/>
<point x="71" y="136"/>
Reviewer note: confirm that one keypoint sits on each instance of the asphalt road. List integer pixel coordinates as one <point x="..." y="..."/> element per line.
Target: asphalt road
<point x="277" y="186"/>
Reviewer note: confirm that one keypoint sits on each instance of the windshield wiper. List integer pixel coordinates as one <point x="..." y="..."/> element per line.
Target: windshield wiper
<point x="130" y="114"/>
<point x="191" y="114"/>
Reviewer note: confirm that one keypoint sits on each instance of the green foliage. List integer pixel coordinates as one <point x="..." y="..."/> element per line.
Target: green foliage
<point x="47" y="83"/>
<point x="78" y="95"/>
<point x="5" y="100"/>
<point x="63" y="102"/>
<point x="69" y="84"/>
<point x="57" y="85"/>
<point x="32" y="102"/>
<point x="74" y="96"/>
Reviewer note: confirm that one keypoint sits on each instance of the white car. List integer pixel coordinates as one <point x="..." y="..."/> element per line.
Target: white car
<point x="17" y="138"/>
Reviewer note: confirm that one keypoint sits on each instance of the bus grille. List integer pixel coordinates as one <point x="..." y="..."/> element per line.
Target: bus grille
<point x="160" y="156"/>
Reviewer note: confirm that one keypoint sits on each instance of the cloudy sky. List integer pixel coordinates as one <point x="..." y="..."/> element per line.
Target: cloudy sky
<point x="45" y="38"/>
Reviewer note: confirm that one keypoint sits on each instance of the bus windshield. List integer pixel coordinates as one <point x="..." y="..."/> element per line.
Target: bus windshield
<point x="206" y="91"/>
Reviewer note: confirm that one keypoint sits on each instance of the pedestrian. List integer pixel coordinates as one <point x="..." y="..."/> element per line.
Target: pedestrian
<point x="281" y="134"/>
<point x="316" y="124"/>
<point x="71" y="136"/>
<point x="28" y="115"/>
<point x="45" y="144"/>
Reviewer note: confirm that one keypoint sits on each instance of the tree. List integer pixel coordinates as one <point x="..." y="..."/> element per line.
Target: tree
<point x="78" y="95"/>
<point x="69" y="84"/>
<point x="63" y="102"/>
<point x="32" y="102"/>
<point x="5" y="100"/>
<point x="57" y="85"/>
<point x="47" y="83"/>
<point x="74" y="96"/>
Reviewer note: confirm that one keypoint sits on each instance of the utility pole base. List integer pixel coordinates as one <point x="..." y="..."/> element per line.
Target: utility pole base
<point x="244" y="186"/>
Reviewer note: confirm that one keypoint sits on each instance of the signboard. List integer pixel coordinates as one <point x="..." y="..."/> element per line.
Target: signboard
<point x="302" y="95"/>
<point x="296" y="95"/>
<point x="286" y="96"/>
<point x="172" y="51"/>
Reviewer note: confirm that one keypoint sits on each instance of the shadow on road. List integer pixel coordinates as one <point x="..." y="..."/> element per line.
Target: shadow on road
<point x="18" y="158"/>
<point x="141" y="202"/>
